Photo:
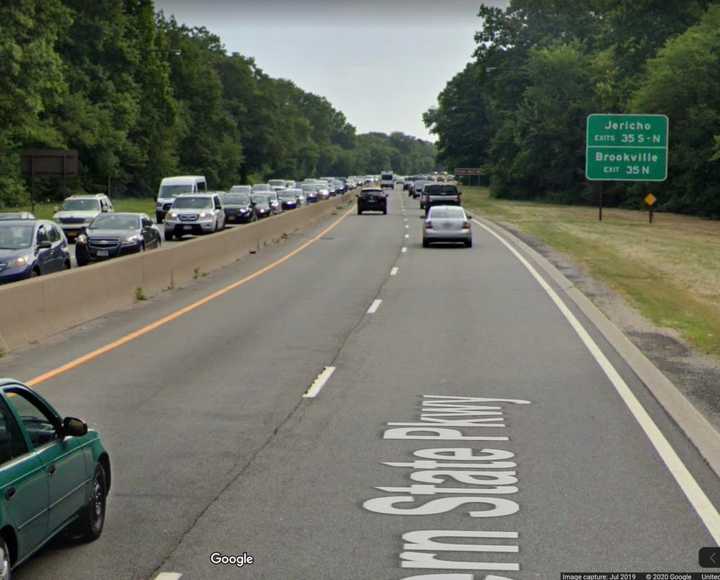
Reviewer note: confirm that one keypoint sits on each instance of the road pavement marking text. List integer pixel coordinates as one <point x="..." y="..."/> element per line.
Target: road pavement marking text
<point x="490" y="470"/>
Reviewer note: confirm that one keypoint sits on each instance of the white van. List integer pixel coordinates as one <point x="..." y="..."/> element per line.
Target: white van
<point x="171" y="187"/>
<point x="387" y="179"/>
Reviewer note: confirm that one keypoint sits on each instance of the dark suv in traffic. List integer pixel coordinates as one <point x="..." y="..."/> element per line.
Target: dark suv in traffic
<point x="440" y="194"/>
<point x="372" y="199"/>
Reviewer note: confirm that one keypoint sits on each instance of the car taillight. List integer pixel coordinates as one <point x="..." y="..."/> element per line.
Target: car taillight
<point x="466" y="225"/>
<point x="428" y="225"/>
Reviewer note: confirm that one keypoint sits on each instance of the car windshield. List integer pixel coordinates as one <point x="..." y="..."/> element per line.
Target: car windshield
<point x="16" y="236"/>
<point x="192" y="202"/>
<point x="387" y="176"/>
<point x="236" y="199"/>
<point x="241" y="189"/>
<point x="169" y="191"/>
<point x="452" y="213"/>
<point x="288" y="195"/>
<point x="260" y="199"/>
<point x="115" y="222"/>
<point x="309" y="188"/>
<point x="276" y="183"/>
<point x="261" y="187"/>
<point x="81" y="205"/>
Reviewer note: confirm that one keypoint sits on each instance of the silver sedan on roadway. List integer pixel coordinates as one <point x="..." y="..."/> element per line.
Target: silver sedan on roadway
<point x="447" y="223"/>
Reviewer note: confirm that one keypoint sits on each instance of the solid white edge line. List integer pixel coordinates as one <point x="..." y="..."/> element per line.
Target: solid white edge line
<point x="690" y="487"/>
<point x="394" y="271"/>
<point x="374" y="306"/>
<point x="319" y="383"/>
<point x="168" y="576"/>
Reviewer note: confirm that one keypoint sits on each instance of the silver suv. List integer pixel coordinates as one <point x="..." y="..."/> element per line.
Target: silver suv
<point x="196" y="213"/>
<point x="79" y="210"/>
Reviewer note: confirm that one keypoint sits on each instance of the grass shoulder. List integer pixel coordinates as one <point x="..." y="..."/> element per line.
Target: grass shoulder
<point x="670" y="270"/>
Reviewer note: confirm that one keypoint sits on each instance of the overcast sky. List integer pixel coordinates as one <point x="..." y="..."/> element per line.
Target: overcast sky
<point x="381" y="62"/>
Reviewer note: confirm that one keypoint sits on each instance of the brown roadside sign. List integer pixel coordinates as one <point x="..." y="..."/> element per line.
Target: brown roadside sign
<point x="650" y="199"/>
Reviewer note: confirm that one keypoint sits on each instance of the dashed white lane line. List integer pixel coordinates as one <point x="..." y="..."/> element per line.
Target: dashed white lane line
<point x="374" y="306"/>
<point x="394" y="271"/>
<point x="407" y="227"/>
<point x="690" y="487"/>
<point x="407" y="236"/>
<point x="319" y="383"/>
<point x="404" y="249"/>
<point x="168" y="576"/>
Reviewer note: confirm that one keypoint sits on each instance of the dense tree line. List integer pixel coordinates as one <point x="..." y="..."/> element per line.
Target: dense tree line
<point x="518" y="109"/>
<point x="141" y="96"/>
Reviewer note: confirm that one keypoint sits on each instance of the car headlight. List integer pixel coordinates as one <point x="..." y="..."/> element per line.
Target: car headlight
<point x="132" y="240"/>
<point x="206" y="215"/>
<point x="22" y="261"/>
<point x="81" y="239"/>
<point x="172" y="215"/>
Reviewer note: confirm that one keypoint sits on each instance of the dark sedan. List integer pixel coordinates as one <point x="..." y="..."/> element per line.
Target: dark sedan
<point x="262" y="205"/>
<point x="288" y="199"/>
<point x="30" y="248"/>
<point x="238" y="208"/>
<point x="116" y="234"/>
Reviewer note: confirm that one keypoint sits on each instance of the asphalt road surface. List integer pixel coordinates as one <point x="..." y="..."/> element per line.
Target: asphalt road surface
<point x="469" y="427"/>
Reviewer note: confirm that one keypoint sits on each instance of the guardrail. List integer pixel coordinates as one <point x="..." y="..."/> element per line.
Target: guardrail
<point x="35" y="309"/>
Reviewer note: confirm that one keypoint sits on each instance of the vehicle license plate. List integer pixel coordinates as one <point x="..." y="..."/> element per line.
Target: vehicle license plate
<point x="103" y="253"/>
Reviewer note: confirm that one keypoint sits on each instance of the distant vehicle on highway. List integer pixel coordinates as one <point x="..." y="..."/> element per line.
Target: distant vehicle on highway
<point x="299" y="195"/>
<point x="54" y="476"/>
<point x="30" y="248"/>
<point x="277" y="184"/>
<point x="372" y="199"/>
<point x="274" y="201"/>
<point x="447" y="223"/>
<point x="440" y="194"/>
<point x="171" y="187"/>
<point x="114" y="235"/>
<point x="262" y="188"/>
<point x="387" y="179"/>
<point x="16" y="215"/>
<point x="238" y="207"/>
<point x="310" y="190"/>
<point x="195" y="214"/>
<point x="79" y="210"/>
<point x="288" y="199"/>
<point x="241" y="189"/>
<point x="419" y="190"/>
<point x="261" y="203"/>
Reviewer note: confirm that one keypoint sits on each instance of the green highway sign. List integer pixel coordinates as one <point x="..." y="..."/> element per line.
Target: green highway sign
<point x="627" y="148"/>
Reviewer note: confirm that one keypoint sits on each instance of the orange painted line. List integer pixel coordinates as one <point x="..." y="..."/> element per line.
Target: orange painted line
<point x="86" y="358"/>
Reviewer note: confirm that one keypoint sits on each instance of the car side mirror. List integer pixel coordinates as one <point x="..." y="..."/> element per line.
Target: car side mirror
<point x="44" y="245"/>
<point x="73" y="427"/>
<point x="469" y="216"/>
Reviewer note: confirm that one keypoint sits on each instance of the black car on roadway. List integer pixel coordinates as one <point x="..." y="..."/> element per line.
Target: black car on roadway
<point x="261" y="203"/>
<point x="239" y="208"/>
<point x="372" y="199"/>
<point x="116" y="234"/>
<point x="288" y="199"/>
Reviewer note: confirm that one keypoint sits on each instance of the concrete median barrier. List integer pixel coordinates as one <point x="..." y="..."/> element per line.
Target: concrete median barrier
<point x="35" y="309"/>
